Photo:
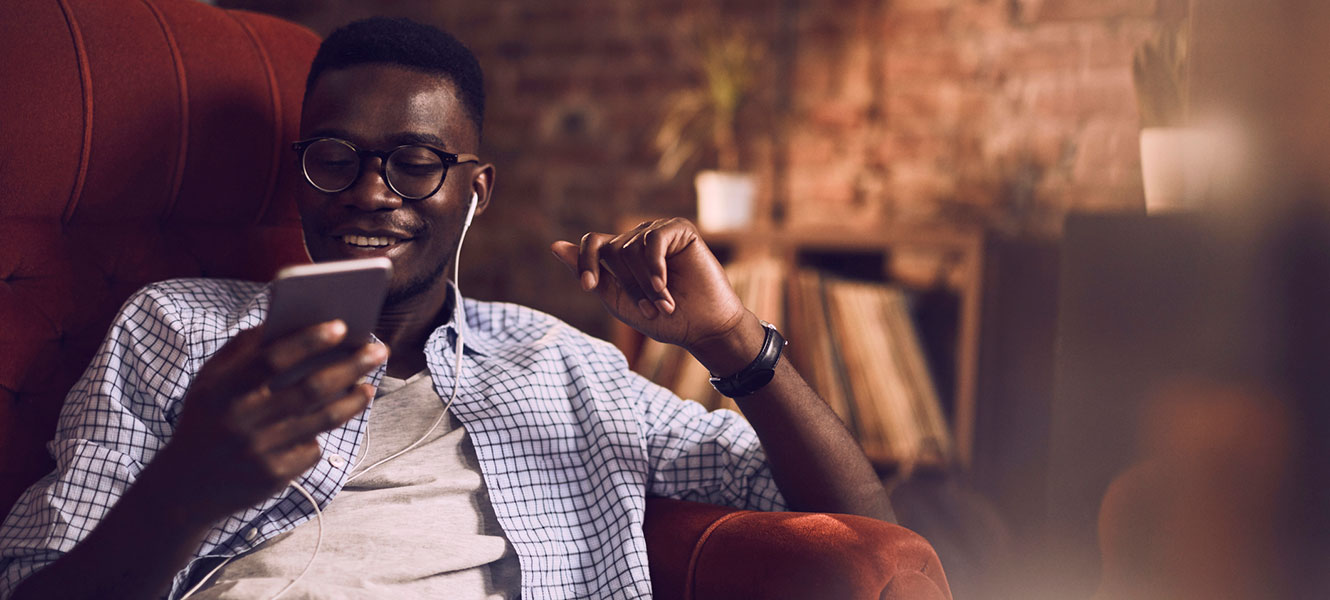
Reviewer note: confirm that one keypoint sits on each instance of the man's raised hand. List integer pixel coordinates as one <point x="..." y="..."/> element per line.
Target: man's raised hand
<point x="662" y="280"/>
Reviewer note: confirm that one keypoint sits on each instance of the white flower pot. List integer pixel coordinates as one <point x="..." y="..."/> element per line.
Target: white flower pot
<point x="1177" y="166"/>
<point x="725" y="200"/>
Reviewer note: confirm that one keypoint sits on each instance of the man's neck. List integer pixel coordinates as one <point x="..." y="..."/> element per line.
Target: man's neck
<point x="406" y="325"/>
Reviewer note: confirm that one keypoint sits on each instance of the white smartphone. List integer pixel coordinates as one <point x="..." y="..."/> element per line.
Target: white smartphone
<point x="305" y="295"/>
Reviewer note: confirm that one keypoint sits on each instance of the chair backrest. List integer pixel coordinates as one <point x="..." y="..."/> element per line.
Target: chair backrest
<point x="143" y="140"/>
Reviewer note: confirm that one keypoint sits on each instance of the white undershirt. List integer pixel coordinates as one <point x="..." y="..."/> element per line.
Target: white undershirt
<point x="418" y="526"/>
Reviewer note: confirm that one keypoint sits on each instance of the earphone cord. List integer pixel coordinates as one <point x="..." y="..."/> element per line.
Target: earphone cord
<point x="459" y="311"/>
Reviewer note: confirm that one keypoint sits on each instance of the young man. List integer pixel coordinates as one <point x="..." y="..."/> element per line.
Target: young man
<point x="173" y="451"/>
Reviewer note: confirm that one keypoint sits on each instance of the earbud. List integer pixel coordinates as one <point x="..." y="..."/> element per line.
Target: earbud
<point x="471" y="211"/>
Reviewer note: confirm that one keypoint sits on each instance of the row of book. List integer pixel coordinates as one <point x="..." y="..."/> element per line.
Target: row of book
<point x="854" y="342"/>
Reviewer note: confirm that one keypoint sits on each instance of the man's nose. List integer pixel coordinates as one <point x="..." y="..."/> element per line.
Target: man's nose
<point x="370" y="192"/>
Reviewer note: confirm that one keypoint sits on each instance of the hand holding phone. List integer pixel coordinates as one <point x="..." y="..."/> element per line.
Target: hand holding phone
<point x="245" y="431"/>
<point x="305" y="295"/>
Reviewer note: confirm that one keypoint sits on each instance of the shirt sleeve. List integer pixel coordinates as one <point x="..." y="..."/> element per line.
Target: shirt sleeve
<point x="114" y="420"/>
<point x="702" y="456"/>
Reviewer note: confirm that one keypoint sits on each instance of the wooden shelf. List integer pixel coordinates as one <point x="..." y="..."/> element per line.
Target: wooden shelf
<point x="959" y="253"/>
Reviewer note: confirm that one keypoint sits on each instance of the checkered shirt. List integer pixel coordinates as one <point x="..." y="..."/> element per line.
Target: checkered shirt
<point x="569" y="440"/>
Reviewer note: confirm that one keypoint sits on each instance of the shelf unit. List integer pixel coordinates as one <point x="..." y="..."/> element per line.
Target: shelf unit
<point x="952" y="296"/>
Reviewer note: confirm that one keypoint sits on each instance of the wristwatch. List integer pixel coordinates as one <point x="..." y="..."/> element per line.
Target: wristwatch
<point x="758" y="373"/>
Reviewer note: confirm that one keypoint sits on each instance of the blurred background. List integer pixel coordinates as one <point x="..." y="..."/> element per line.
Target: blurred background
<point x="1103" y="220"/>
<point x="999" y="113"/>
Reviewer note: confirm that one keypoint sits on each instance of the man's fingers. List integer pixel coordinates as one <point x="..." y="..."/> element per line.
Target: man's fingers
<point x="229" y="373"/>
<point x="288" y="351"/>
<point x="289" y="462"/>
<point x="588" y="259"/>
<point x="633" y="255"/>
<point x="601" y="253"/>
<point x="322" y="387"/>
<point x="252" y="363"/>
<point x="637" y="261"/>
<point x="655" y="245"/>
<point x="628" y="293"/>
<point x="566" y="253"/>
<point x="300" y="429"/>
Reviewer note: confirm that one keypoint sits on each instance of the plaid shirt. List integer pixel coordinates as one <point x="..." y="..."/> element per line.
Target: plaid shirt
<point x="569" y="440"/>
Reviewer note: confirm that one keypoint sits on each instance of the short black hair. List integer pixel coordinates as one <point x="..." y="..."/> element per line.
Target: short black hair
<point x="409" y="44"/>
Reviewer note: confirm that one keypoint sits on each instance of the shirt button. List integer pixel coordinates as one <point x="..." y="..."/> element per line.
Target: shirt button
<point x="251" y="533"/>
<point x="336" y="460"/>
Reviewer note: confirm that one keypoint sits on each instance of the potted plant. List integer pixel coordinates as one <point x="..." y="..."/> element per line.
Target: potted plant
<point x="705" y="118"/>
<point x="1174" y="168"/>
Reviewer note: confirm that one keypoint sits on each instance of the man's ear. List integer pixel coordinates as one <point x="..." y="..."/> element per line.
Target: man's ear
<point x="482" y="184"/>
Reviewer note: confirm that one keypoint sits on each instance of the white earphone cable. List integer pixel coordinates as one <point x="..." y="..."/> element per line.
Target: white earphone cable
<point x="457" y="361"/>
<point x="457" y="384"/>
<point x="318" y="543"/>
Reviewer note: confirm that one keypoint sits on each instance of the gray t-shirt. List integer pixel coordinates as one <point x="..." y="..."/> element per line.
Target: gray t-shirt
<point x="418" y="526"/>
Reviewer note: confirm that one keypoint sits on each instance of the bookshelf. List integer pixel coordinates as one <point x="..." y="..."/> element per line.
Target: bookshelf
<point x="947" y="295"/>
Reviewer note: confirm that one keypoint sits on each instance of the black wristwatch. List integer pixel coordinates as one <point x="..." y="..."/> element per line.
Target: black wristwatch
<point x="758" y="373"/>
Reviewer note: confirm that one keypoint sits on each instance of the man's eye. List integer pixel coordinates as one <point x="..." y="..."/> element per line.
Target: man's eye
<point x="336" y="164"/>
<point x="418" y="170"/>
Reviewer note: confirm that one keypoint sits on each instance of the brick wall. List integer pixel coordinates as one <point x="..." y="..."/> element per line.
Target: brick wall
<point x="1005" y="113"/>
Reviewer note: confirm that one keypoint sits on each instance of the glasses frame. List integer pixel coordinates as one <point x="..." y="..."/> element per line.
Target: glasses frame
<point x="448" y="158"/>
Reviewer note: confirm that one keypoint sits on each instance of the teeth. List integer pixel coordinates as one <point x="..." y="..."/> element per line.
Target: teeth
<point x="368" y="242"/>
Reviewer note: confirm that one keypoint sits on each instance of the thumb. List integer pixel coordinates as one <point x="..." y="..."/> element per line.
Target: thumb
<point x="567" y="253"/>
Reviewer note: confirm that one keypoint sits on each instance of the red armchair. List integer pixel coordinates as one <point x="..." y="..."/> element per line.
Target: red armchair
<point x="145" y="140"/>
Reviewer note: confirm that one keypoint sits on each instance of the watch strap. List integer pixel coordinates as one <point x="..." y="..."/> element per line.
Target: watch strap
<point x="758" y="373"/>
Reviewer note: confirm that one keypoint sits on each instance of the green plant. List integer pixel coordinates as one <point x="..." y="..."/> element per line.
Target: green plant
<point x="1163" y="78"/>
<point x="708" y="114"/>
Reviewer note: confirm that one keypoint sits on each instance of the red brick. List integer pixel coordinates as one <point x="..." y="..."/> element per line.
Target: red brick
<point x="1044" y="48"/>
<point x="1032" y="11"/>
<point x="1085" y="94"/>
<point x="922" y="64"/>
<point x="1006" y="113"/>
<point x="1108" y="153"/>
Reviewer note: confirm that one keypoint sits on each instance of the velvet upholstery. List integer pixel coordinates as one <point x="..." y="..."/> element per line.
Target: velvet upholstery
<point x="142" y="141"/>
<point x="705" y="552"/>
<point x="147" y="139"/>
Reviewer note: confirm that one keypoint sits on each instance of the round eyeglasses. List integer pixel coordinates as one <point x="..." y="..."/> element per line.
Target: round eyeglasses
<point x="414" y="171"/>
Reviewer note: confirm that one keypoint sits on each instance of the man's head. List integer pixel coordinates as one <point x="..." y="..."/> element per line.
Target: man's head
<point x="376" y="86"/>
<point x="407" y="44"/>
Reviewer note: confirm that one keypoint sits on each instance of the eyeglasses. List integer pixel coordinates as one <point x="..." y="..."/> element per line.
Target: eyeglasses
<point x="413" y="172"/>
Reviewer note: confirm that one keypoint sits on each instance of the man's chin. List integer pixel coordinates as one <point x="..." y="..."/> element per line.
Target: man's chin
<point x="419" y="286"/>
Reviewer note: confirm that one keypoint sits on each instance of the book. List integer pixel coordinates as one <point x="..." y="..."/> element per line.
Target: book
<point x="898" y="413"/>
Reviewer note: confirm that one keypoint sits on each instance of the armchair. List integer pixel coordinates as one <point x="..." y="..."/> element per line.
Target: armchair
<point x="145" y="140"/>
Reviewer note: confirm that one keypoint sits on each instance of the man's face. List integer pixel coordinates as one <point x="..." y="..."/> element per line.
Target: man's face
<point x="381" y="107"/>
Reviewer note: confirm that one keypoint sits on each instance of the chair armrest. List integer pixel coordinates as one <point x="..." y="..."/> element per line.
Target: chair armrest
<point x="701" y="551"/>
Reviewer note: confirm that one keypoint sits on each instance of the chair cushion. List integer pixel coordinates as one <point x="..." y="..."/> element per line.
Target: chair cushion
<point x="145" y="140"/>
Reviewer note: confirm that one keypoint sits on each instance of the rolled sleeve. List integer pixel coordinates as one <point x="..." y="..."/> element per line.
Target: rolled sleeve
<point x="703" y="456"/>
<point x="108" y="429"/>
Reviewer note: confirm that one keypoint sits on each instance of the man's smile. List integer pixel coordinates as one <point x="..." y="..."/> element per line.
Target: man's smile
<point x="361" y="241"/>
<point x="364" y="242"/>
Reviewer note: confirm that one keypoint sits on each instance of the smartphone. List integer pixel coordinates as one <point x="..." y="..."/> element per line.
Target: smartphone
<point x="305" y="295"/>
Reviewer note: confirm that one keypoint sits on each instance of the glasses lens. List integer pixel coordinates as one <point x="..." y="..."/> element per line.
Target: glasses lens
<point x="415" y="172"/>
<point x="331" y="165"/>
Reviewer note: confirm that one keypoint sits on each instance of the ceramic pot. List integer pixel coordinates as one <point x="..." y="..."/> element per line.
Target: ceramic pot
<point x="725" y="200"/>
<point x="1176" y="166"/>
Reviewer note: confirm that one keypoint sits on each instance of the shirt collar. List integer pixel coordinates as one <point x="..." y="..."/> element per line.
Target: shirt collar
<point x="460" y="326"/>
<point x="476" y="343"/>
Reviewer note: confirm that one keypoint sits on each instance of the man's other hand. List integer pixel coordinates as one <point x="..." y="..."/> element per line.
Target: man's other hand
<point x="238" y="441"/>
<point x="662" y="280"/>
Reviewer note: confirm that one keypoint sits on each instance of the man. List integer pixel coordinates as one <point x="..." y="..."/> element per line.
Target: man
<point x="173" y="451"/>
